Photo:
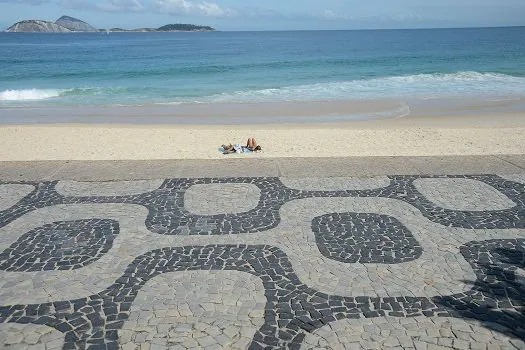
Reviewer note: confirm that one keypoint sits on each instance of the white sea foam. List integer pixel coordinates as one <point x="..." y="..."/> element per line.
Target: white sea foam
<point x="421" y="85"/>
<point x="29" y="94"/>
<point x="46" y="94"/>
<point x="425" y="86"/>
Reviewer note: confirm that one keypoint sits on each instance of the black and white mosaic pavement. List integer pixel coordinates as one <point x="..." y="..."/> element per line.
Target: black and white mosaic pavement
<point x="167" y="214"/>
<point x="364" y="238"/>
<point x="64" y="245"/>
<point x="293" y="309"/>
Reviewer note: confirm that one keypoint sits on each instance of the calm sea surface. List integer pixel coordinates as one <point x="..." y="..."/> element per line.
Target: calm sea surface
<point x="228" y="67"/>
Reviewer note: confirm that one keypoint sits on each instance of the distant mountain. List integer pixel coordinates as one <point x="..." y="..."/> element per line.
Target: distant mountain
<point x="67" y="24"/>
<point x="38" y="27"/>
<point x="137" y="30"/>
<point x="179" y="27"/>
<point x="75" y="25"/>
<point x="184" y="28"/>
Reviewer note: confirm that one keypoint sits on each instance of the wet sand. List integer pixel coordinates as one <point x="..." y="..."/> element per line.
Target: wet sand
<point x="290" y="112"/>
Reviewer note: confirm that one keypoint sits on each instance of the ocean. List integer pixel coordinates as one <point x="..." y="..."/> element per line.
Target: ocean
<point x="172" y="69"/>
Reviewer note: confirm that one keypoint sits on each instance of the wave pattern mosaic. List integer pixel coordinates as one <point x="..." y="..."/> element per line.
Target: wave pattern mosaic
<point x="405" y="265"/>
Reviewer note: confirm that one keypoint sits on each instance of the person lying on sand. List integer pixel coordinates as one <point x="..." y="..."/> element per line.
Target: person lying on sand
<point x="251" y="146"/>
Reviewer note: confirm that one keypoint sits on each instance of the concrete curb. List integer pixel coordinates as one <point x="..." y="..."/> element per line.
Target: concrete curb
<point x="277" y="167"/>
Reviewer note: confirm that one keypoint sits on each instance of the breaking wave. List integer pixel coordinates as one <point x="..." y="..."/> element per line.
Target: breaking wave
<point x="46" y="94"/>
<point x="420" y="85"/>
<point x="425" y="86"/>
<point x="29" y="94"/>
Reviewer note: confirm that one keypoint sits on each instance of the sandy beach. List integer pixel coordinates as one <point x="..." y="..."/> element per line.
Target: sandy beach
<point x="468" y="134"/>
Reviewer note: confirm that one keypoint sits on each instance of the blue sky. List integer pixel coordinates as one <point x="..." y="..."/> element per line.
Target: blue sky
<point x="273" y="14"/>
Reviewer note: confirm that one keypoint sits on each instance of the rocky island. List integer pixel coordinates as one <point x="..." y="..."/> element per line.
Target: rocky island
<point x="179" y="27"/>
<point x="75" y="25"/>
<point x="184" y="28"/>
<point x="67" y="24"/>
<point x="37" y="26"/>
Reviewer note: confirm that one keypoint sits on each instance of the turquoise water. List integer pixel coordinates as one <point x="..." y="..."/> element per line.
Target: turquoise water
<point x="229" y="67"/>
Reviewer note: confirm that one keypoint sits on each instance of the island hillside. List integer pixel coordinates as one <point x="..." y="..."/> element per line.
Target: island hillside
<point x="178" y="27"/>
<point x="75" y="24"/>
<point x="68" y="24"/>
<point x="184" y="27"/>
<point x="37" y="26"/>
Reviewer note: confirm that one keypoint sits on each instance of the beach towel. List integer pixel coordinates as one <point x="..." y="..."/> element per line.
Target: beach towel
<point x="238" y="148"/>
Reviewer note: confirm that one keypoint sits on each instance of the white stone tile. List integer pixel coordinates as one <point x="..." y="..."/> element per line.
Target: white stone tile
<point x="335" y="183"/>
<point x="112" y="188"/>
<point x="29" y="336"/>
<point x="10" y="194"/>
<point x="463" y="194"/>
<point x="520" y="177"/>
<point x="211" y="199"/>
<point x="415" y="337"/>
<point x="195" y="292"/>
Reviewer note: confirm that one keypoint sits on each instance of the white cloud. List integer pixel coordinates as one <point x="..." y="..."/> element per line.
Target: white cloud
<point x="186" y="7"/>
<point x="172" y="7"/>
<point x="261" y="13"/>
<point x="396" y="17"/>
<point x="406" y="17"/>
<point x="76" y="4"/>
<point x="121" y="6"/>
<point x="29" y="2"/>
<point x="328" y="14"/>
<point x="331" y="15"/>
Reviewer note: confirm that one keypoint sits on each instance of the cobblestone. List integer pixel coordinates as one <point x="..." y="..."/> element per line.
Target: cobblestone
<point x="214" y="199"/>
<point x="404" y="262"/>
<point x="10" y="194"/>
<point x="463" y="194"/>
<point x="109" y="188"/>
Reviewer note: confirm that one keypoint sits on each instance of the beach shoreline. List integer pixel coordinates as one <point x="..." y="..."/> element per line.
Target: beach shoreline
<point x="407" y="136"/>
<point x="320" y="112"/>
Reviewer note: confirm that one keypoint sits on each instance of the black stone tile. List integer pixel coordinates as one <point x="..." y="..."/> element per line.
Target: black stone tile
<point x="68" y="244"/>
<point x="364" y="238"/>
<point x="497" y="295"/>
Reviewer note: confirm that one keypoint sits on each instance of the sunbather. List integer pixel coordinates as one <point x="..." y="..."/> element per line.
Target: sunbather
<point x="251" y="146"/>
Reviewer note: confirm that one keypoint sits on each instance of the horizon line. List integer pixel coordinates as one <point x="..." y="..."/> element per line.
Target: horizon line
<point x="292" y="30"/>
<point x="359" y="29"/>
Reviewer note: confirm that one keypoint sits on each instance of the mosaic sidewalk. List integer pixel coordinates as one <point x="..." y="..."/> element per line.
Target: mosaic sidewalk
<point x="388" y="262"/>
